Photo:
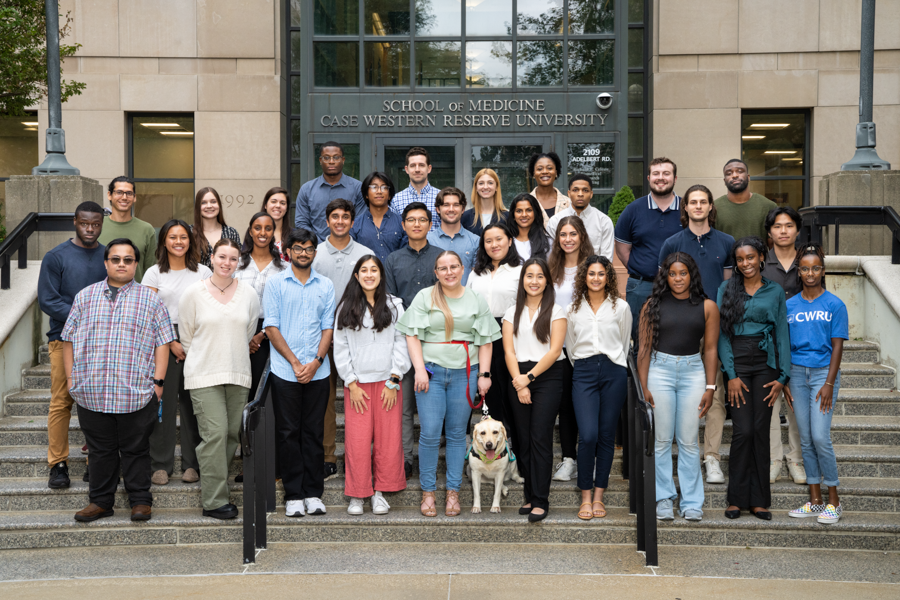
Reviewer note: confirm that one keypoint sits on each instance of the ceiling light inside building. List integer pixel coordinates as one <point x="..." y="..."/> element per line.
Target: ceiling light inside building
<point x="160" y="125"/>
<point x="769" y="125"/>
<point x="780" y="152"/>
<point x="30" y="123"/>
<point x="177" y="132"/>
<point x="797" y="159"/>
<point x="753" y="137"/>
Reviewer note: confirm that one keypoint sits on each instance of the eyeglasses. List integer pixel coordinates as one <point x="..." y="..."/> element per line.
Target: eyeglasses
<point x="329" y="159"/>
<point x="128" y="260"/>
<point x="413" y="220"/>
<point x="453" y="268"/>
<point x="120" y="193"/>
<point x="379" y="188"/>
<point x="806" y="270"/>
<point x="309" y="250"/>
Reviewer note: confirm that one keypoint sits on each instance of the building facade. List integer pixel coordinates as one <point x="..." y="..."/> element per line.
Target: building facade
<point x="238" y="94"/>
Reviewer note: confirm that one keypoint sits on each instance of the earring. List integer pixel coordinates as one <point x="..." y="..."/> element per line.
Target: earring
<point x="762" y="265"/>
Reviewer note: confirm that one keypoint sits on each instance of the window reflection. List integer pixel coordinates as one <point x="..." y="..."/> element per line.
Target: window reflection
<point x="163" y="147"/>
<point x="636" y="178"/>
<point x="438" y="17"/>
<point x="636" y="137"/>
<point x="437" y="64"/>
<point x="443" y="166"/>
<point x="387" y="17"/>
<point x="489" y="17"/>
<point x="336" y="64"/>
<point x="510" y="163"/>
<point x="336" y="17"/>
<point x="774" y="145"/>
<point x="387" y="63"/>
<point x="596" y="160"/>
<point x="782" y="192"/>
<point x="540" y="17"/>
<point x="18" y="145"/>
<point x="351" y="160"/>
<point x="591" y="62"/>
<point x="156" y="202"/>
<point x="489" y="64"/>
<point x="539" y="63"/>
<point x="635" y="48"/>
<point x="635" y="92"/>
<point x="591" y="16"/>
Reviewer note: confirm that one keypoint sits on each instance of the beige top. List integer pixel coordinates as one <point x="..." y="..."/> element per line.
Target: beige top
<point x="562" y="201"/>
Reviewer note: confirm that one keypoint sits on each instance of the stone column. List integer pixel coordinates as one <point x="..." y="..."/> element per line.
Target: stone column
<point x="44" y="194"/>
<point x="861" y="188"/>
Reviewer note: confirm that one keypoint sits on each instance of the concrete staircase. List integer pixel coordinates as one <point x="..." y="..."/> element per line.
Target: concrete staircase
<point x="866" y="432"/>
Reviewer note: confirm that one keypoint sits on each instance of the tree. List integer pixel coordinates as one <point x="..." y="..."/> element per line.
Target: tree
<point x="623" y="198"/>
<point x="23" y="55"/>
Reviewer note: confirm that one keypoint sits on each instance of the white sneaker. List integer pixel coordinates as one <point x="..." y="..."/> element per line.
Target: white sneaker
<point x="380" y="506"/>
<point x="798" y="473"/>
<point x="713" y="471"/>
<point x="774" y="470"/>
<point x="294" y="508"/>
<point x="356" y="506"/>
<point x="565" y="470"/>
<point x="314" y="506"/>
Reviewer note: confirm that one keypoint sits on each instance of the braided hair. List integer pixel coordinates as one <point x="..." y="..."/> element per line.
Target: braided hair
<point x="732" y="309"/>
<point x="650" y="312"/>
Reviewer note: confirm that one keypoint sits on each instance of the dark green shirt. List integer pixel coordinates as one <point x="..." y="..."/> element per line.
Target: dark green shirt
<point x="765" y="314"/>
<point x="741" y="220"/>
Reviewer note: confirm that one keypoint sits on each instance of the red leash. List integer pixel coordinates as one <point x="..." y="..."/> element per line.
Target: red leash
<point x="468" y="374"/>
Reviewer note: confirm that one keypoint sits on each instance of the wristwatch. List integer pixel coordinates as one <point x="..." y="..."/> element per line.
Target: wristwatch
<point x="530" y="376"/>
<point x="392" y="385"/>
<point x="321" y="359"/>
<point x="395" y="379"/>
<point x="712" y="387"/>
<point x="485" y="374"/>
<point x="159" y="382"/>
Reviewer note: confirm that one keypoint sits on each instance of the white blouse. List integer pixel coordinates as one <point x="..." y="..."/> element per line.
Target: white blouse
<point x="523" y="248"/>
<point x="500" y="290"/>
<point x="607" y="332"/>
<point x="256" y="279"/>
<point x="526" y="345"/>
<point x="566" y="290"/>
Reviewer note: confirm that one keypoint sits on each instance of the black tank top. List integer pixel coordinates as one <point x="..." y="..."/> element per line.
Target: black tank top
<point x="681" y="326"/>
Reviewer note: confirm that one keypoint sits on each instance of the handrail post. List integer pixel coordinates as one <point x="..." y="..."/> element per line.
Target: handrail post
<point x="633" y="426"/>
<point x="837" y="235"/>
<point x="259" y="467"/>
<point x="249" y="503"/>
<point x="271" y="467"/>
<point x="648" y="462"/>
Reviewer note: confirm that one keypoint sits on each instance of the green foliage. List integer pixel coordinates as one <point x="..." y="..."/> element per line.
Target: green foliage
<point x="23" y="55"/>
<point x="623" y="198"/>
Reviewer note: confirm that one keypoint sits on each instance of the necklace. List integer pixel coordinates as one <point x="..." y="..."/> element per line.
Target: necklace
<point x="221" y="289"/>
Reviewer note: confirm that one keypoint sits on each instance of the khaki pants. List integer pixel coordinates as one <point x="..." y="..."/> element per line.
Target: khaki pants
<point x="328" y="441"/>
<point x="60" y="408"/>
<point x="218" y="410"/>
<point x="776" y="449"/>
<point x="715" y="419"/>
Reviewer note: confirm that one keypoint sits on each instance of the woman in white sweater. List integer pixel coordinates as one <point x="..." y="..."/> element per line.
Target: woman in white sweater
<point x="217" y="320"/>
<point x="371" y="357"/>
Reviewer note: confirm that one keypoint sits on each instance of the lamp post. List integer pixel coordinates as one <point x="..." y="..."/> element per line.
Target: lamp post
<point x="866" y="158"/>
<point x="55" y="162"/>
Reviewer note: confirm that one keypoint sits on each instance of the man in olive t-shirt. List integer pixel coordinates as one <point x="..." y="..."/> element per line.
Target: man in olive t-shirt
<point x="120" y="224"/>
<point x="740" y="213"/>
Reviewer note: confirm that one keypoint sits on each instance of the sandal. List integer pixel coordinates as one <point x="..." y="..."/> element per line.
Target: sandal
<point x="585" y="515"/>
<point x="598" y="513"/>
<point x="453" y="507"/>
<point x="428" y="508"/>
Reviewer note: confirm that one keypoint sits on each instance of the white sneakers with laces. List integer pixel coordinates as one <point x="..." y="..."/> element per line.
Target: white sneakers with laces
<point x="356" y="506"/>
<point x="713" y="470"/>
<point x="314" y="506"/>
<point x="380" y="506"/>
<point x="294" y="508"/>
<point x="565" y="470"/>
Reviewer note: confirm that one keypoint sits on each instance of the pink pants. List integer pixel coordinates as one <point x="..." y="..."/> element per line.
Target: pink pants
<point x="385" y="456"/>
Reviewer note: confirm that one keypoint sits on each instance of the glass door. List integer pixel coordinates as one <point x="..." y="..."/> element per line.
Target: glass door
<point x="445" y="155"/>
<point x="595" y="156"/>
<point x="508" y="157"/>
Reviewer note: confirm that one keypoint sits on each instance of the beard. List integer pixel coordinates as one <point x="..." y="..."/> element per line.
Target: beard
<point x="663" y="192"/>
<point x="737" y="188"/>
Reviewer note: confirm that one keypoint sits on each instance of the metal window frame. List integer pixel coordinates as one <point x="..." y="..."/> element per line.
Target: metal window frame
<point x="807" y="144"/>
<point x="129" y="147"/>
<point x="28" y="113"/>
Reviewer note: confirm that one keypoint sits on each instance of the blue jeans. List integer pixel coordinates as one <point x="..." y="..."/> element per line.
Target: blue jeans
<point x="814" y="426"/>
<point x="444" y="404"/>
<point x="599" y="388"/>
<point x="677" y="384"/>
<point x="636" y="293"/>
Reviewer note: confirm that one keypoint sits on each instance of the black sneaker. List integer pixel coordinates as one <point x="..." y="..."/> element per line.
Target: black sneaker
<point x="87" y="476"/>
<point x="59" y="476"/>
<point x="330" y="471"/>
<point x="407" y="467"/>
<point x="229" y="511"/>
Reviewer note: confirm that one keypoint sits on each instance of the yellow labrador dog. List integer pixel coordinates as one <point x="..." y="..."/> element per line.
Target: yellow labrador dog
<point x="489" y="458"/>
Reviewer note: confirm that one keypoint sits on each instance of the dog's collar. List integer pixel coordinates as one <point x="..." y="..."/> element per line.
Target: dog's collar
<point x="483" y="457"/>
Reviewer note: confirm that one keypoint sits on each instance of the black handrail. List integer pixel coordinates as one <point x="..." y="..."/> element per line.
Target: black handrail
<point x="815" y="218"/>
<point x="17" y="241"/>
<point x="642" y="467"/>
<point x="258" y="446"/>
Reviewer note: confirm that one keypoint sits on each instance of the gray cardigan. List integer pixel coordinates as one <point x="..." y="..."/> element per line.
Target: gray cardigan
<point x="370" y="356"/>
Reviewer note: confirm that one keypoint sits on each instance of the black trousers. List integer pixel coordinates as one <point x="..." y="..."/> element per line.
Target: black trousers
<point x="534" y="425"/>
<point x="568" y="425"/>
<point x="119" y="441"/>
<point x="299" y="429"/>
<point x="498" y="399"/>
<point x="258" y="363"/>
<point x="748" y="463"/>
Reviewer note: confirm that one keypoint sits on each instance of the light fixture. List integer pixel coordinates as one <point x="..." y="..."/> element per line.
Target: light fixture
<point x="30" y="129"/>
<point x="160" y="124"/>
<point x="30" y="123"/>
<point x="769" y="125"/>
<point x="753" y="137"/>
<point x="797" y="159"/>
<point x="176" y="132"/>
<point x="780" y="152"/>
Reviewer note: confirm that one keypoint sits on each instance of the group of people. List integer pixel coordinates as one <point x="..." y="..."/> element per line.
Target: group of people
<point x="414" y="302"/>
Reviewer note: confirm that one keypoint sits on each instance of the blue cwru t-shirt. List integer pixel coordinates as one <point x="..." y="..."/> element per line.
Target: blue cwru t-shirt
<point x="813" y="325"/>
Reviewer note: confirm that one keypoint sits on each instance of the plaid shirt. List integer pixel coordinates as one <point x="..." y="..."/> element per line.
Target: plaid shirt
<point x="409" y="195"/>
<point x="114" y="345"/>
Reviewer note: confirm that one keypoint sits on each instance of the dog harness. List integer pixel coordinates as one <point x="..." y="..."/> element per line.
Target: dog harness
<point x="483" y="458"/>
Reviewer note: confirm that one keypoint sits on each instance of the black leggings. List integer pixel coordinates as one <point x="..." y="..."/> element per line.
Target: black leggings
<point x="748" y="463"/>
<point x="568" y="425"/>
<point x="498" y="395"/>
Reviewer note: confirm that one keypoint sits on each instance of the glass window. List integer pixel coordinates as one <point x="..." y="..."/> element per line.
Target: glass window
<point x="636" y="138"/>
<point x="540" y="17"/>
<point x="438" y="17"/>
<point x="387" y="17"/>
<point x="591" y="62"/>
<point x="787" y="192"/>
<point x="636" y="92"/>
<point x="443" y="166"/>
<point x="489" y="17"/>
<point x="18" y="145"/>
<point x="336" y="64"/>
<point x="591" y="16"/>
<point x="387" y="64"/>
<point x="489" y="64"/>
<point x="774" y="147"/>
<point x="636" y="178"/>
<point x="510" y="164"/>
<point x="162" y="148"/>
<point x="297" y="180"/>
<point x="636" y="11"/>
<point x="296" y="138"/>
<point x="296" y="7"/>
<point x="158" y="201"/>
<point x="336" y="17"/>
<point x="596" y="160"/>
<point x="296" y="51"/>
<point x="539" y="63"/>
<point x="438" y="64"/>
<point x="296" y="94"/>
<point x="351" y="160"/>
<point x="635" y="48"/>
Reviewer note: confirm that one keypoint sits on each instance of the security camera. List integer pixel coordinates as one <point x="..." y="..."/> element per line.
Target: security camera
<point x="604" y="101"/>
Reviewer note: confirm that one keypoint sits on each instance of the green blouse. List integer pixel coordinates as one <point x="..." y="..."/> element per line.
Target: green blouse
<point x="472" y="322"/>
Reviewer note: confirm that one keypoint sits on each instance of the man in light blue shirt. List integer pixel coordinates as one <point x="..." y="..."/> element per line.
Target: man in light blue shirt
<point x="299" y="307"/>
<point x="332" y="184"/>
<point x="450" y="204"/>
<point x="418" y="167"/>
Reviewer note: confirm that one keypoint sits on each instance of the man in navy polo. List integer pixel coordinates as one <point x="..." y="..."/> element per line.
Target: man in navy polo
<point x="710" y="248"/>
<point x="640" y="232"/>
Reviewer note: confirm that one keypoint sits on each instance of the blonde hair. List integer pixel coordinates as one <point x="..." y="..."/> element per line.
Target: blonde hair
<point x="439" y="300"/>
<point x="498" y="207"/>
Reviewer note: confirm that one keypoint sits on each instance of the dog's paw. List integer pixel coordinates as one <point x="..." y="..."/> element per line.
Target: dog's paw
<point x="476" y="510"/>
<point x="505" y="491"/>
<point x="518" y="478"/>
<point x="495" y="509"/>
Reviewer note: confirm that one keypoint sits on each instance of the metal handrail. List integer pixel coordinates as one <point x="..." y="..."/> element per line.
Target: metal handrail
<point x="17" y="241"/>
<point x="642" y="466"/>
<point x="815" y="218"/>
<point x="257" y="436"/>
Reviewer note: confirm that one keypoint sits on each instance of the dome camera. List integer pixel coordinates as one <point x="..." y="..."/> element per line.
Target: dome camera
<point x="604" y="101"/>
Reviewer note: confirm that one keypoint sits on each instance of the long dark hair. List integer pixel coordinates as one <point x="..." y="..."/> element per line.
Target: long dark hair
<point x="540" y="246"/>
<point x="353" y="306"/>
<point x="711" y="218"/>
<point x="650" y="312"/>
<point x="557" y="261"/>
<point x="732" y="309"/>
<point x="811" y="249"/>
<point x="581" y="288"/>
<point x="247" y="248"/>
<point x="543" y="323"/>
<point x="286" y="225"/>
<point x="383" y="177"/>
<point x="483" y="263"/>
<point x="191" y="257"/>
